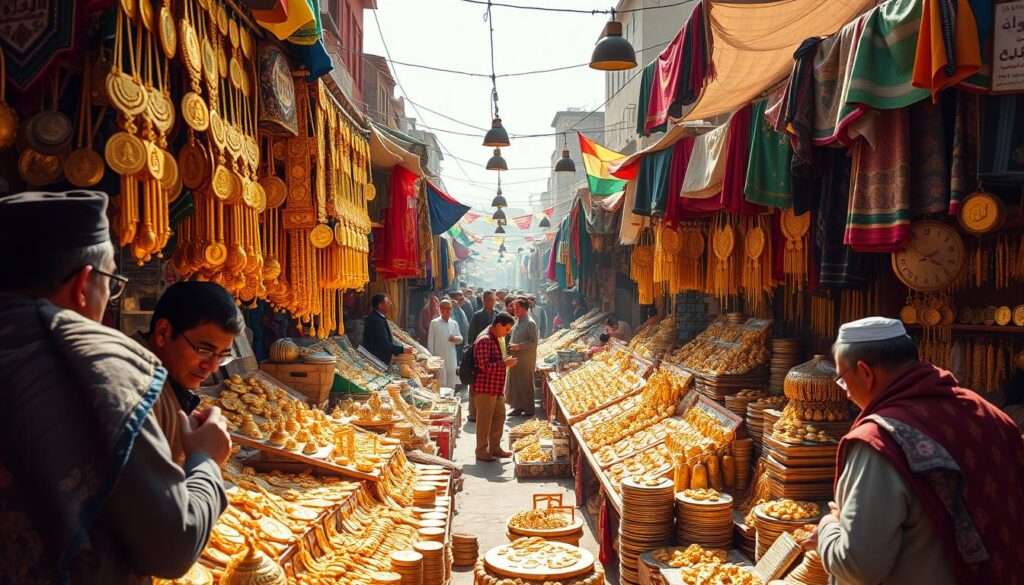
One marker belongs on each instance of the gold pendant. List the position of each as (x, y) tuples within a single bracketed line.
[(154, 160), (84, 167), (193, 166), (234, 140), (170, 172), (246, 41), (371, 192), (146, 14), (195, 112), (217, 129), (49, 132), (125, 153), (125, 94), (233, 33), (235, 73), (128, 6), (160, 110), (168, 34), (214, 254), (222, 19), (275, 189), (246, 84), (222, 62), (209, 62), (39, 169), (190, 48), (227, 186), (259, 198), (321, 236), (252, 152)]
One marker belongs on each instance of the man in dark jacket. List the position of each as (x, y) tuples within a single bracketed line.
[(90, 489), (377, 337)]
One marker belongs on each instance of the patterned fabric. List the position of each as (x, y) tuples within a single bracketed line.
[(879, 213), (964, 165), (490, 367), (884, 62), (929, 167), (797, 118), (833, 67), (840, 266), (986, 448), (768, 170)]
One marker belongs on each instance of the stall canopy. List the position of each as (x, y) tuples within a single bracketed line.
[(385, 153), (753, 44)]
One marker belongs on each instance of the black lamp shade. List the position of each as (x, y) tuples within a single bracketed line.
[(613, 52), (497, 162), (565, 164), (498, 215), (496, 136), (500, 229), (544, 222), (499, 201)]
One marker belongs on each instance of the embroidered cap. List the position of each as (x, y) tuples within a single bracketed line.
[(870, 329)]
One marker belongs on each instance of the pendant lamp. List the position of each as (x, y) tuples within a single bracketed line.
[(499, 199), (496, 136), (544, 222), (565, 164), (499, 215), (500, 229), (502, 249), (613, 52), (497, 162)]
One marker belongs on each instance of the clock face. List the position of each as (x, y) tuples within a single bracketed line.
[(933, 259)]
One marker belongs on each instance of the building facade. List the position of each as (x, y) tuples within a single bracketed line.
[(649, 31), (342, 22)]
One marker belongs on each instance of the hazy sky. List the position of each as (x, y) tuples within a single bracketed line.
[(453, 34)]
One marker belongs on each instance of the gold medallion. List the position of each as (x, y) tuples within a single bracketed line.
[(128, 6), (171, 175), (246, 40), (233, 139), (1018, 315), (233, 33), (209, 62), (168, 33), (222, 19), (948, 315), (125, 94), (49, 132), (930, 317), (981, 213), (154, 160), (194, 111), (217, 129), (321, 236), (39, 169), (248, 193), (84, 167), (246, 84), (214, 254), (259, 198), (1003, 315), (222, 62), (371, 192), (125, 153), (193, 166), (275, 189), (908, 314), (160, 110), (146, 14), (235, 73), (227, 186), (190, 48)]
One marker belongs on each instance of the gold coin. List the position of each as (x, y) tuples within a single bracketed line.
[(223, 183), (168, 33), (217, 129), (321, 236), (930, 317), (908, 314), (1018, 315), (214, 254), (195, 112), (125, 153), (259, 198), (277, 192), (235, 73), (154, 160), (233, 33), (1003, 315), (84, 167), (193, 166), (246, 40), (39, 169), (128, 6), (160, 110), (146, 14), (125, 94), (190, 47), (222, 19), (222, 62)]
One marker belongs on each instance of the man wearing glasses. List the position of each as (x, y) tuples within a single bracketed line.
[(89, 484), (191, 332)]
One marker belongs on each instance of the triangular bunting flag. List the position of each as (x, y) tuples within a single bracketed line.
[(523, 222)]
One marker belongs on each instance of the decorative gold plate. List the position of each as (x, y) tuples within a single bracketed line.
[(39, 169), (195, 112), (277, 191), (321, 236), (194, 166), (84, 167), (125, 94), (981, 213), (1003, 315)]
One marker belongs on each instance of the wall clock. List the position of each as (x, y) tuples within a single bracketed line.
[(933, 259)]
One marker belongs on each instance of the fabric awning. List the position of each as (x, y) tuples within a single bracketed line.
[(385, 154), (754, 44)]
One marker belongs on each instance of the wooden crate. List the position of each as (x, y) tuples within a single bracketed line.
[(313, 381)]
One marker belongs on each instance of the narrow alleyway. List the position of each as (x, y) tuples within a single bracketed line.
[(491, 493)]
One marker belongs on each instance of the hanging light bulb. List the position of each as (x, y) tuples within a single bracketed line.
[(496, 136), (565, 164), (500, 229), (613, 52), (499, 215), (544, 222), (497, 162), (499, 199)]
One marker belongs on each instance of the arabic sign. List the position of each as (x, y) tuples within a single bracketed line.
[(1008, 47)]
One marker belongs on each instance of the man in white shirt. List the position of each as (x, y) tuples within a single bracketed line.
[(442, 338)]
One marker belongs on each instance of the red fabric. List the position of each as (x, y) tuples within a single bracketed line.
[(490, 367), (986, 445), (396, 248), (666, 82), (737, 156), (674, 211)]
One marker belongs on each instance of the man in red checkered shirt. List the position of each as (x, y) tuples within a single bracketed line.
[(488, 389)]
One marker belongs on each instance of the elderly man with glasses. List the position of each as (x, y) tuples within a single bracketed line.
[(192, 329)]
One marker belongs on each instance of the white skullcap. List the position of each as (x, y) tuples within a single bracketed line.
[(870, 329)]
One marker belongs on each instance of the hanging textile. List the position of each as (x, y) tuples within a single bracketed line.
[(665, 85), (550, 271), (1002, 134), (37, 36), (697, 64), (947, 46), (310, 32), (602, 216), (681, 153), (929, 168), (396, 253), (706, 170), (796, 116), (459, 235), (299, 14), (445, 211), (833, 66), (445, 270), (839, 265), (879, 209), (652, 183), (964, 164), (632, 223), (768, 171), (884, 63), (646, 86), (313, 57), (737, 158)]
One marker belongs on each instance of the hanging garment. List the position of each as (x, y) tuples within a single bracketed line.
[(884, 62), (646, 86), (879, 211), (397, 254), (833, 66), (839, 265), (929, 167), (706, 169), (768, 170), (665, 85), (652, 183), (737, 158), (299, 14), (797, 118), (681, 153), (947, 47)]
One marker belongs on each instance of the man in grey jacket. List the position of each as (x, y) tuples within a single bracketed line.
[(90, 487)]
